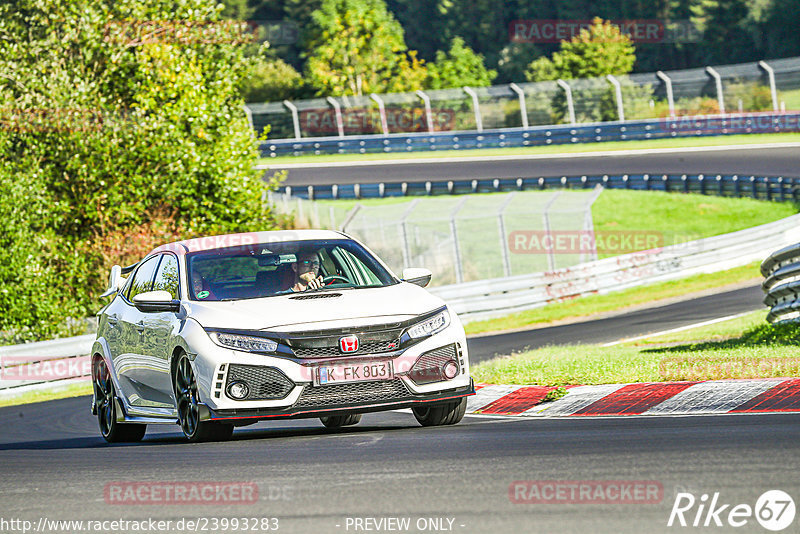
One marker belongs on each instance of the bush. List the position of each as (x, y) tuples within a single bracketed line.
[(139, 132)]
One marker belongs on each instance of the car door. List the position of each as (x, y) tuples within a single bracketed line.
[(128, 362), (155, 348)]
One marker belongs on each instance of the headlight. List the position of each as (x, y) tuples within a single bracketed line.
[(246, 343), (431, 326)]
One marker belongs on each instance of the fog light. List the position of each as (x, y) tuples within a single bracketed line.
[(450, 369), (238, 390)]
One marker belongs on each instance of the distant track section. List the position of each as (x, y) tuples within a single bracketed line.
[(749, 159)]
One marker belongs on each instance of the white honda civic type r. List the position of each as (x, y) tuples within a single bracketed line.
[(225, 331)]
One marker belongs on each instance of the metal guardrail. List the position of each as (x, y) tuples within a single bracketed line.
[(689, 126), (781, 271), (24, 367), (777, 188), (490, 298)]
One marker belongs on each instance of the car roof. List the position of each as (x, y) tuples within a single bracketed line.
[(245, 239)]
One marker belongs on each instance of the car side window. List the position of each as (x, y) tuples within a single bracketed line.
[(167, 276), (143, 278)]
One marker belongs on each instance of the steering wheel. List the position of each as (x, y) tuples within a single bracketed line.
[(328, 280)]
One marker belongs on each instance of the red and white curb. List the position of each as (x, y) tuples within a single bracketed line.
[(656, 398)]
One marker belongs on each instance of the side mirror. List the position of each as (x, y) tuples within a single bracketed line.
[(156, 301), (115, 281), (417, 276)]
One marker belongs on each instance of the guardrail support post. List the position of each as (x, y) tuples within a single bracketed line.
[(570, 104), (382, 112), (428, 113), (337, 110), (772, 89), (523, 110), (668, 84), (295, 118), (618, 91), (476, 107), (718, 82)]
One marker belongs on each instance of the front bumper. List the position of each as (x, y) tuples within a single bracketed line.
[(402, 400)]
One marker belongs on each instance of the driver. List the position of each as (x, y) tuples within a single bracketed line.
[(306, 272)]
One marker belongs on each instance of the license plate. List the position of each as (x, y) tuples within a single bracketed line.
[(352, 372)]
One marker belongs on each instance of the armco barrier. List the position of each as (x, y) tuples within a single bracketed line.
[(777, 188), (781, 271), (490, 298), (700, 126), (24, 367)]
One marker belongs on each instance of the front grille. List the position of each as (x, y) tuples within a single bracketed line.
[(356, 392), (265, 383), (428, 367), (375, 347)]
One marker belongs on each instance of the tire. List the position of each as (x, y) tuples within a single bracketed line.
[(187, 404), (338, 421), (111, 430), (438, 414)]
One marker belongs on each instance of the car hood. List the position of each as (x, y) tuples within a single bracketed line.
[(354, 307)]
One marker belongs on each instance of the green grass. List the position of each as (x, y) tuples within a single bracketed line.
[(791, 99), (73, 390), (754, 139), (745, 348), (615, 301)]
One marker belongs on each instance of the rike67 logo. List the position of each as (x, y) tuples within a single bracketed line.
[(774, 510)]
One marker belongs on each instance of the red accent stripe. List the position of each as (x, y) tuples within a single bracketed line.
[(634, 399), (784, 397), (517, 401)]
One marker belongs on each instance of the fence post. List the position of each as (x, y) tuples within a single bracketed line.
[(382, 112), (295, 118), (404, 233), (428, 113), (456, 248), (668, 84), (249, 115), (570, 104), (618, 91), (503, 240), (718, 82), (337, 110), (772, 88), (548, 233), (476, 107), (523, 110)]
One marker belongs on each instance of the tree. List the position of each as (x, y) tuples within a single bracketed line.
[(597, 51), (357, 47), (458, 67), (272, 80), (125, 118)]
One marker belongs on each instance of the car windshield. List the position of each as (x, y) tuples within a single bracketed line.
[(271, 269)]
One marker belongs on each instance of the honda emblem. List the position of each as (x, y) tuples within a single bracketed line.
[(348, 344)]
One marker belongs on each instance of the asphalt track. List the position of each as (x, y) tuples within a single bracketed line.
[(616, 327), (54, 465), (754, 160)]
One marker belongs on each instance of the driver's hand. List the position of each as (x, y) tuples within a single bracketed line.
[(311, 282)]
